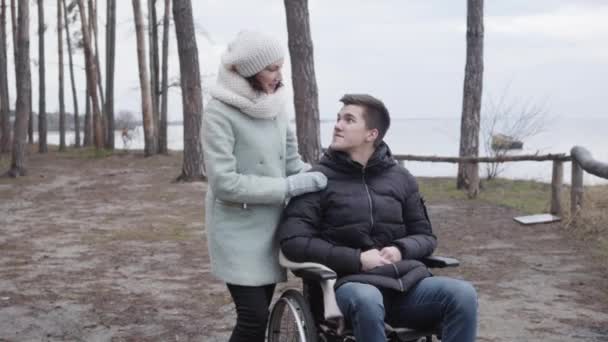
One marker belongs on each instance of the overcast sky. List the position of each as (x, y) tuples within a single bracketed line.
[(411, 54)]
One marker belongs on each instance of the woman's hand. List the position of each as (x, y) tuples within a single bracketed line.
[(302, 183)]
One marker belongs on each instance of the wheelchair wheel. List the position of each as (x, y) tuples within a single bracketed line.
[(291, 320)]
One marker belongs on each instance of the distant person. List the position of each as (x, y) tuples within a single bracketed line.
[(126, 138), (370, 225), (253, 167)]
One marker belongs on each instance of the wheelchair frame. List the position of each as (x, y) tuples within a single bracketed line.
[(306, 322)]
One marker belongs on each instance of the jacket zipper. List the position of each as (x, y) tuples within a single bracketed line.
[(369, 199)]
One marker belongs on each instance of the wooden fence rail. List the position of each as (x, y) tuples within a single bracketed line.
[(580, 157)]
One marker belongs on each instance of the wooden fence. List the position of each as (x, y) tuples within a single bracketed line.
[(580, 157), (583, 161)]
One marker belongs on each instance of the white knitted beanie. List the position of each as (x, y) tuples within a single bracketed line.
[(251, 51)]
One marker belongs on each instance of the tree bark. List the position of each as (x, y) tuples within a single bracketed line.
[(73, 82), (15, 31), (93, 19), (162, 136), (468, 174), (24, 88), (5, 128), (42, 125), (192, 97), (61, 79), (88, 126), (110, 61), (146, 97), (95, 49), (91, 66), (30, 115), (30, 121), (154, 65), (306, 99)]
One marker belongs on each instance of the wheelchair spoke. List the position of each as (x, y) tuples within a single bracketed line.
[(289, 321)]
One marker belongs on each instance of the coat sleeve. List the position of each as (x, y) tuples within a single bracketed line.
[(420, 240), (220, 163), (294, 163), (300, 237)]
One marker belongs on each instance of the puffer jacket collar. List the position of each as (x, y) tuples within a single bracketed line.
[(339, 161)]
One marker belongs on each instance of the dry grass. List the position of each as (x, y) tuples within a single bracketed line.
[(153, 234), (527, 196), (591, 223)]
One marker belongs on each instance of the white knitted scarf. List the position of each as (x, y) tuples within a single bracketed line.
[(231, 88)]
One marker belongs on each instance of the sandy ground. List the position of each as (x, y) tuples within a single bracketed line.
[(111, 250)]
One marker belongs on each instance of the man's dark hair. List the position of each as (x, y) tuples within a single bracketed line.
[(375, 113)]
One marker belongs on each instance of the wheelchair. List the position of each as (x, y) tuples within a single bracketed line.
[(314, 316)]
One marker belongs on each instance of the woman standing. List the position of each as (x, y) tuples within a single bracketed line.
[(253, 167)]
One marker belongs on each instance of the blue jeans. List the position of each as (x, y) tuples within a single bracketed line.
[(434, 302)]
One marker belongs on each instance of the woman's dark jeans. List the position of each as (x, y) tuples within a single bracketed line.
[(252, 304)]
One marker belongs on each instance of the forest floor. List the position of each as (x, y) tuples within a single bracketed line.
[(106, 247)]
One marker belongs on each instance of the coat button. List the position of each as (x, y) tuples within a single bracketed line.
[(281, 157)]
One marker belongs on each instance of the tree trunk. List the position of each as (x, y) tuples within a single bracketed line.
[(95, 52), (192, 97), (95, 48), (74, 93), (146, 98), (30, 115), (42, 126), (24, 88), (5, 128), (88, 127), (306, 99), (110, 60), (30, 121), (468, 173), (154, 65), (61, 80), (15, 31), (162, 138), (91, 66)]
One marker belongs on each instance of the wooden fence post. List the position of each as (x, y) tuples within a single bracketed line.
[(557, 179), (576, 192)]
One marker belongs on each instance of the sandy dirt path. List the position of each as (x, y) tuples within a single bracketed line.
[(111, 250)]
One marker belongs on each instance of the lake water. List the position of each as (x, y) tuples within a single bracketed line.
[(439, 137)]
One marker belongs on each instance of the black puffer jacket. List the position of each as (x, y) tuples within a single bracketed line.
[(362, 208)]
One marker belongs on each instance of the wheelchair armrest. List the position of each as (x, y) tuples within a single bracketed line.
[(313, 273), (433, 261), (307, 269), (327, 279)]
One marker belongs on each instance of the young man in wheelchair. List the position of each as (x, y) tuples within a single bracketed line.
[(370, 225)]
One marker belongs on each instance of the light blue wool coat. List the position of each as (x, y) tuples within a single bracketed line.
[(246, 160)]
